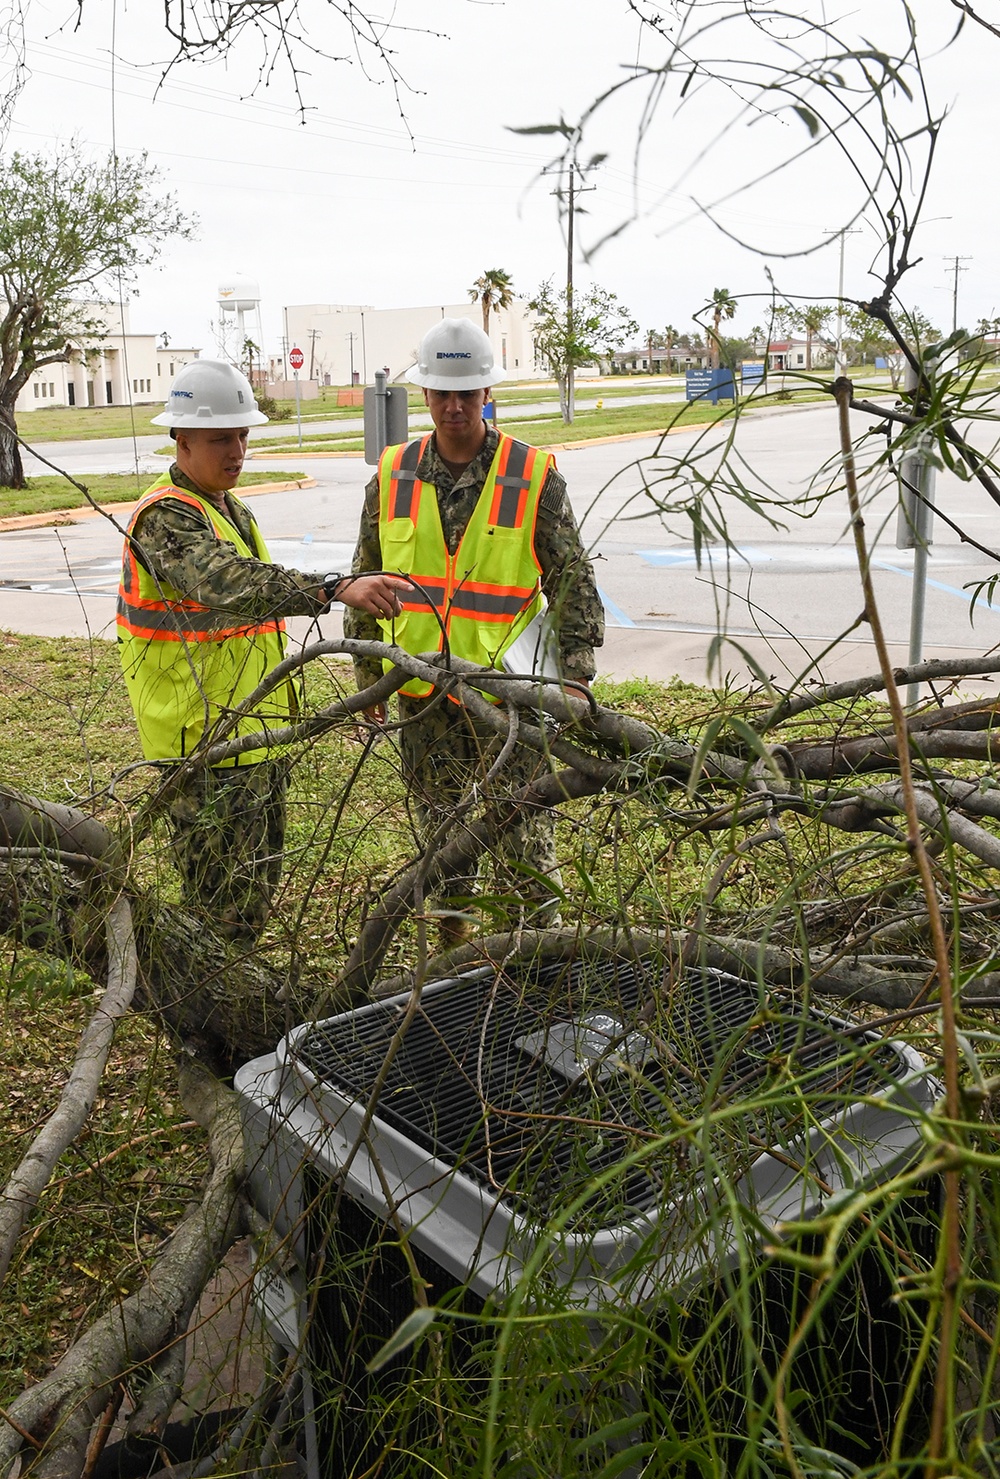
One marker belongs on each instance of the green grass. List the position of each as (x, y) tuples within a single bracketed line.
[(50, 494)]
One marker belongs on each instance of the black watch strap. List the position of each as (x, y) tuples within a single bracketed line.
[(330, 584)]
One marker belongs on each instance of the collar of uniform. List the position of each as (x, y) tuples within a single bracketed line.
[(433, 470)]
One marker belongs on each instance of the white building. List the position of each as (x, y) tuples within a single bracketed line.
[(345, 343), (119, 369)]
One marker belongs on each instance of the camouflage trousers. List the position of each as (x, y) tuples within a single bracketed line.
[(444, 752), (228, 840)]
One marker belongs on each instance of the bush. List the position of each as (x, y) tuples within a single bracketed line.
[(269, 406)]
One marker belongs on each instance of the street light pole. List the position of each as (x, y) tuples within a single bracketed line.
[(844, 231), (572, 193), (954, 291)]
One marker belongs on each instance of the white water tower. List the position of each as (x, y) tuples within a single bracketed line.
[(239, 318)]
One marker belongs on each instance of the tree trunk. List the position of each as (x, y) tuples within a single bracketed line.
[(567, 414), (11, 467)]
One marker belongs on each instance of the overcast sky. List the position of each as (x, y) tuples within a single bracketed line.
[(348, 208)]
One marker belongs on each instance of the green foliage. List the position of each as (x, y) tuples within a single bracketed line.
[(270, 407), (600, 324), (72, 233), (494, 289)]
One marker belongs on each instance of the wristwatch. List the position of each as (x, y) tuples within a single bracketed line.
[(330, 584)]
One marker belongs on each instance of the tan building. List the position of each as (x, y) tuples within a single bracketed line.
[(119, 369), (346, 343)]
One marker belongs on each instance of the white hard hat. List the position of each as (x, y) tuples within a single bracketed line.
[(210, 392), (455, 355)]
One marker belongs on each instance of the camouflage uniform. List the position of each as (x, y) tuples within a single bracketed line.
[(443, 749), (228, 822)]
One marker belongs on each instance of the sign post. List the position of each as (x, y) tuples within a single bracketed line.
[(915, 530), (297, 359)]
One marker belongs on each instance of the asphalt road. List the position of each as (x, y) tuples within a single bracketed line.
[(786, 588)]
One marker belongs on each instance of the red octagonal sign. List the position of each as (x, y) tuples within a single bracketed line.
[(296, 359)]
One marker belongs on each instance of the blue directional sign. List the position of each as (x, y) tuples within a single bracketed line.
[(710, 385)]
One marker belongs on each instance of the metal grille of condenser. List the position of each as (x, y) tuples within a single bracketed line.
[(543, 1101), (494, 1068)]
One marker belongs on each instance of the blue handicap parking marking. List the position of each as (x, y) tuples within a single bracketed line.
[(617, 617)]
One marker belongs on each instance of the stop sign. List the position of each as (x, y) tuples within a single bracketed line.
[(296, 359)]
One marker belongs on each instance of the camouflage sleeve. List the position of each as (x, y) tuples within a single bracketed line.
[(568, 580), (178, 546), (359, 625)]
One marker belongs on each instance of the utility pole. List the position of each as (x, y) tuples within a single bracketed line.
[(572, 192), (364, 351), (844, 231), (956, 269), (350, 339), (314, 334)]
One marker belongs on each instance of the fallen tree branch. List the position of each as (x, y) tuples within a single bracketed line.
[(824, 761), (825, 972), (61, 1410), (931, 671), (32, 1175)]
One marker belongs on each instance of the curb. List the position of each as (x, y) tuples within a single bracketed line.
[(57, 516)]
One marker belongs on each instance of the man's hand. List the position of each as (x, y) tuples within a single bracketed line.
[(376, 594)]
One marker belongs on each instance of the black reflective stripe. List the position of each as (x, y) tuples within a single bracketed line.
[(513, 482), (189, 623), (431, 598), (401, 482), (485, 603)]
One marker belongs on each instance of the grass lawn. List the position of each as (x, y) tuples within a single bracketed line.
[(48, 494)]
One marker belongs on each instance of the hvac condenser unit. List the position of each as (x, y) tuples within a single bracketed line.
[(624, 1143)]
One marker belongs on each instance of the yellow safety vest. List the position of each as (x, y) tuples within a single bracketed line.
[(186, 665), (485, 594)]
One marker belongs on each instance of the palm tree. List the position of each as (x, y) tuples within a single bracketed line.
[(723, 305), (494, 290), (669, 340), (812, 321)]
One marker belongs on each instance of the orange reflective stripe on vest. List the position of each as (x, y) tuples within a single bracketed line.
[(483, 595)]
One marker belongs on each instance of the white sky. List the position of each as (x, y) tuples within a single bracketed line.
[(347, 209)]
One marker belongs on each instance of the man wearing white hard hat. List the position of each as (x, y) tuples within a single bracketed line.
[(201, 611), (483, 525)]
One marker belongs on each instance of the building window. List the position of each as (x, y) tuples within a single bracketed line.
[(171, 367), (135, 385), (52, 389), (159, 368), (37, 390)]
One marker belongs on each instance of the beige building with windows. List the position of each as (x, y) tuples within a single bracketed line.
[(345, 344), (119, 369)]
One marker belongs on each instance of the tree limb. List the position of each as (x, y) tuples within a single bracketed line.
[(32, 1175), (62, 1408)]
